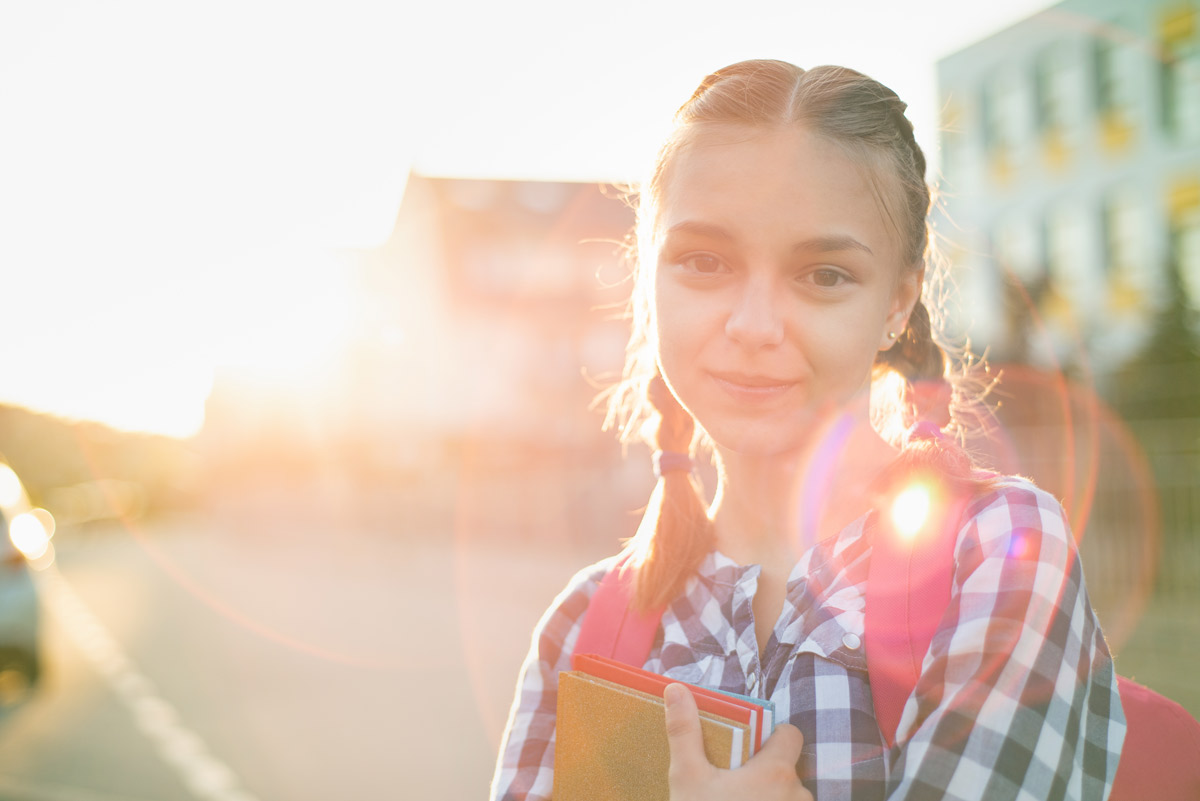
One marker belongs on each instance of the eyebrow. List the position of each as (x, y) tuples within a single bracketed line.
[(820, 244)]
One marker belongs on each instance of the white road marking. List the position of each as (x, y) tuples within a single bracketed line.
[(207, 777)]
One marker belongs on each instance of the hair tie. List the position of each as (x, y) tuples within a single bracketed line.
[(671, 462), (924, 431)]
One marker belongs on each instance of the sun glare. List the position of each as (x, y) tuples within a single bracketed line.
[(114, 229), (910, 510), (293, 318), (29, 535), (10, 487)]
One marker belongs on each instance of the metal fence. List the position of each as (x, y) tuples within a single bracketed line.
[(1132, 493)]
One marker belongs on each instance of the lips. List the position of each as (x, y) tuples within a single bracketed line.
[(753, 387)]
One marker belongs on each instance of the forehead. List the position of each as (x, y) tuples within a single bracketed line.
[(776, 181)]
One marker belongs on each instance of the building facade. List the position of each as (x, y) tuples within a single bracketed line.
[(1070, 213), (1070, 179)]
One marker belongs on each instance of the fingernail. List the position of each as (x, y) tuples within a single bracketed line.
[(673, 694)]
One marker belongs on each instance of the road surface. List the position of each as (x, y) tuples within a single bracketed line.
[(238, 659)]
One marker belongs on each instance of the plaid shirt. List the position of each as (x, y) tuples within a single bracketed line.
[(1017, 697)]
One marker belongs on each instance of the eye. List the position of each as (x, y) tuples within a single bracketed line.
[(703, 263), (827, 277)]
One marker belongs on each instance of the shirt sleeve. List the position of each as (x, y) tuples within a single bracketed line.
[(1017, 697), (525, 767)]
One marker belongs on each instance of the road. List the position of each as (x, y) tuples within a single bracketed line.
[(280, 653), (254, 658)]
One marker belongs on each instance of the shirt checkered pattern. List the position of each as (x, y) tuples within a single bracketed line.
[(1017, 697)]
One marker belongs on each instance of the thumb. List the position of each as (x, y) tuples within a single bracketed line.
[(683, 731), (784, 744)]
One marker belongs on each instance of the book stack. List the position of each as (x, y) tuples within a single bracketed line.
[(611, 736)]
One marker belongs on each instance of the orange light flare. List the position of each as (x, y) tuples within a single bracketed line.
[(1068, 440)]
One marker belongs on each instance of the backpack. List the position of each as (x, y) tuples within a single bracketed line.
[(1160, 758)]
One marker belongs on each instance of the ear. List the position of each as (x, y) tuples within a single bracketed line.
[(904, 298)]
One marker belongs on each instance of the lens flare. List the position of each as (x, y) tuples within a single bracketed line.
[(10, 487), (29, 535), (910, 510), (1072, 444), (46, 519)]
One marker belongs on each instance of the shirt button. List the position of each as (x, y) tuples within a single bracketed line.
[(852, 641)]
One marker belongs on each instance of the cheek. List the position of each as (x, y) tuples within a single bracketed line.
[(675, 320), (673, 343), (844, 351)]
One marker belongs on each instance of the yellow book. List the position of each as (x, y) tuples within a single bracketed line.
[(611, 742)]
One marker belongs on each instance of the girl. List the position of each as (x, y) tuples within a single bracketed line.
[(778, 316)]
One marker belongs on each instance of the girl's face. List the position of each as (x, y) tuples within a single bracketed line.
[(777, 279)]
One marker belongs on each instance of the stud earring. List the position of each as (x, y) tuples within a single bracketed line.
[(891, 334)]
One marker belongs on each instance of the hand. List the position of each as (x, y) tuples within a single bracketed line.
[(770, 775)]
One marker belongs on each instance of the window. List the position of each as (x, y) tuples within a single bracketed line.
[(1180, 73), (1059, 98), (1006, 122), (1072, 266), (1017, 244), (1128, 260), (1183, 205), (1068, 247), (1125, 245), (1115, 70)]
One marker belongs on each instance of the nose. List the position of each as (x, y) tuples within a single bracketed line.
[(755, 321)]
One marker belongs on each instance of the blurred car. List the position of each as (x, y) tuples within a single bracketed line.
[(24, 547)]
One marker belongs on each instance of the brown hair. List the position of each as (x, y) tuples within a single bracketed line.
[(866, 119)]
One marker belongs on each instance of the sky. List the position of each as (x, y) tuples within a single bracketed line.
[(177, 178)]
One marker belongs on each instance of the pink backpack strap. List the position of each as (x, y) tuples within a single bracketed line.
[(908, 591), (611, 627)]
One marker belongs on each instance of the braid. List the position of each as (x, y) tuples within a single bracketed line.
[(916, 355), (927, 408), (675, 533), (675, 426)]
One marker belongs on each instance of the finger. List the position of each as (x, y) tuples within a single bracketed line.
[(683, 731), (784, 743)]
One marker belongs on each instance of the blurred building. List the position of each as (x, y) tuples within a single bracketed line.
[(494, 311), (487, 323), (1071, 179)]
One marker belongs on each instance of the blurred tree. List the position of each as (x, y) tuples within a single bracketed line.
[(50, 453), (1162, 382), (1157, 392)]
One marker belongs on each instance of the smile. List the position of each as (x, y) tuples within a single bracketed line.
[(752, 388)]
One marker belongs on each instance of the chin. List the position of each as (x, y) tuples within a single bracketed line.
[(782, 435), (759, 439)]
